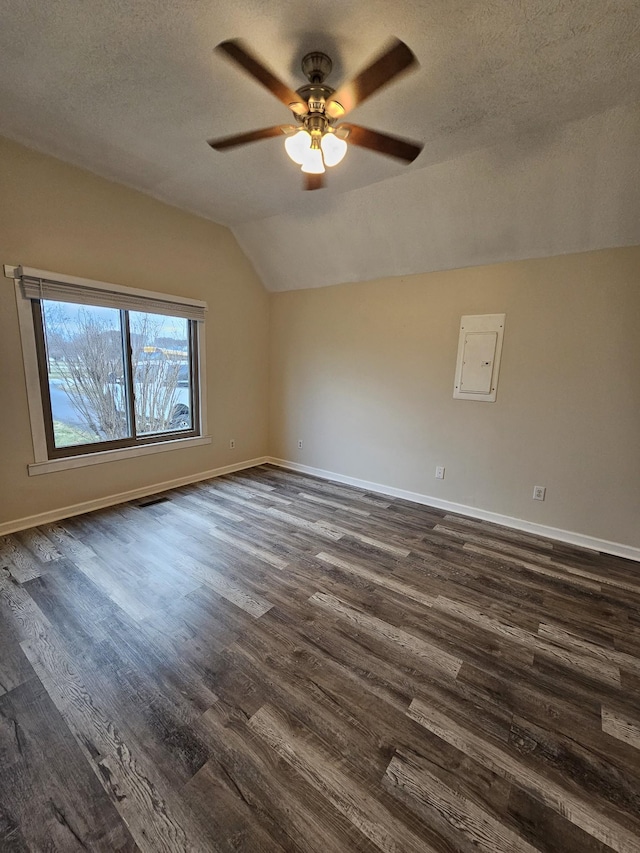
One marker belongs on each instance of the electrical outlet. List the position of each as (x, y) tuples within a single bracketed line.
[(539, 492), (440, 472), (232, 444), (299, 444)]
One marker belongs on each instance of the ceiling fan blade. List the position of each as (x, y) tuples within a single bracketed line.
[(313, 182), (252, 136), (393, 61), (235, 50), (392, 146)]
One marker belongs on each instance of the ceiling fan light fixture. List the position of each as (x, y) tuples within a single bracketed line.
[(298, 145), (314, 143), (313, 163), (333, 148)]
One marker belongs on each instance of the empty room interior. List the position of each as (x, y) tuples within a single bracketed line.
[(320, 434)]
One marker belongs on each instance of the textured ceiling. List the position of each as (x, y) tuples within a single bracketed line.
[(527, 110)]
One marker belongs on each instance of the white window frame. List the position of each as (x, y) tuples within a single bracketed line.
[(42, 464)]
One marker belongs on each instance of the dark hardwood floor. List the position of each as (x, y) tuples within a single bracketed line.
[(270, 662)]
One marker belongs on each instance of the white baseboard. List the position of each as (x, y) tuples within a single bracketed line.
[(123, 497), (568, 536), (571, 538)]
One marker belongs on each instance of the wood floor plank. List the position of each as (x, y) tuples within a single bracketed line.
[(17, 560), (538, 568), (587, 664), (486, 542), (473, 644), (314, 527), (66, 542), (153, 665), (49, 792), (229, 809), (377, 578), (621, 726), (268, 662), (250, 479), (185, 501), (438, 658), (383, 670), (367, 815), (548, 830), (474, 829), (497, 531), (575, 808), (340, 530), (156, 816), (560, 636), (597, 778), (68, 599), (579, 573), (243, 599), (322, 709), (97, 572), (248, 548), (19, 610), (553, 708), (344, 506), (290, 809), (353, 701), (323, 487), (14, 666), (39, 545), (231, 485)]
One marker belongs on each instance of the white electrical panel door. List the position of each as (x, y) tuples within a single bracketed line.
[(479, 351)]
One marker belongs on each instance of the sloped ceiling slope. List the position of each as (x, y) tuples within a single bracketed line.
[(573, 188), (528, 111)]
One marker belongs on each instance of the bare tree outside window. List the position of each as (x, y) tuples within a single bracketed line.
[(157, 371)]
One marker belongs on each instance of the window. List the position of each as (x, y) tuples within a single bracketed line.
[(116, 369)]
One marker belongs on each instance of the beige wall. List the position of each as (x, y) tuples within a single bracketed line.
[(57, 217), (363, 374)]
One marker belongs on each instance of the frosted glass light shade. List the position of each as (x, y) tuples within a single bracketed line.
[(297, 145), (313, 164), (333, 149)]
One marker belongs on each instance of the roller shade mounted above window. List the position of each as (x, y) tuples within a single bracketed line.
[(41, 284)]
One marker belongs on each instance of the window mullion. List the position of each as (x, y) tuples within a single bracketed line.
[(128, 371)]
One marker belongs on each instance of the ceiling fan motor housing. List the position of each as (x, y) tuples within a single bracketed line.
[(316, 66), (315, 98)]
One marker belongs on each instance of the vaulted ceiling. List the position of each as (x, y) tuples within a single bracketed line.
[(529, 111)]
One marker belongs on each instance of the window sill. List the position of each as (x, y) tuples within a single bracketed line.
[(113, 455)]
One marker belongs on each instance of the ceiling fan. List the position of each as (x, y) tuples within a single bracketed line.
[(315, 141)]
